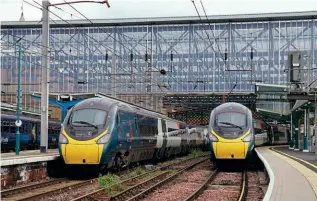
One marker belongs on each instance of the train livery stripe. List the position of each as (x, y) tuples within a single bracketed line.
[(231, 140)]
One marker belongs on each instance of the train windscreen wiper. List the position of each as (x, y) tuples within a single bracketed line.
[(231, 124), (87, 123)]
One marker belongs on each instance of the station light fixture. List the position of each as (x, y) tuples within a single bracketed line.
[(146, 56), (163, 72), (106, 57)]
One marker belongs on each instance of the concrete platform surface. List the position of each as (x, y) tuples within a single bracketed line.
[(308, 157), (30, 156), (289, 180)]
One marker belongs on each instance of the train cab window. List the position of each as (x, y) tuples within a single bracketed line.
[(230, 125), (88, 118)]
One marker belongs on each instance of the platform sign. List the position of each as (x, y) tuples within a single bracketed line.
[(18, 123)]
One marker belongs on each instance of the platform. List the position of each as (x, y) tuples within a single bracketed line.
[(289, 179), (30, 156), (299, 156)]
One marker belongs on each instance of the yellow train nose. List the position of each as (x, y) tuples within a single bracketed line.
[(234, 150), (83, 154)]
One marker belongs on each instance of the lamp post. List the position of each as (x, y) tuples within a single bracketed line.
[(46, 66), (18, 122)]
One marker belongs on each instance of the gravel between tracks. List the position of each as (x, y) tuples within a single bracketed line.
[(218, 195), (183, 185), (22, 184), (224, 187), (254, 190), (228, 178), (43, 190), (71, 193), (74, 193)]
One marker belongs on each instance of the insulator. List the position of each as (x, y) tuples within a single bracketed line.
[(171, 56), (131, 57), (107, 56), (251, 54), (146, 56), (226, 56)]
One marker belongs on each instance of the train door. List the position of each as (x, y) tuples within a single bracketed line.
[(38, 134), (161, 139), (33, 133), (164, 130)]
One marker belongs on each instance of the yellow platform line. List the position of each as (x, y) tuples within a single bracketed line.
[(308, 163), (310, 175)]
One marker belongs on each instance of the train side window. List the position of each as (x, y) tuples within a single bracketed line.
[(5, 127), (154, 125), (142, 125), (146, 126), (12, 127), (126, 124), (25, 127), (33, 125), (163, 126)]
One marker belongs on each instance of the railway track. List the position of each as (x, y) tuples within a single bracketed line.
[(38, 191), (14, 191), (61, 188), (206, 189), (138, 186)]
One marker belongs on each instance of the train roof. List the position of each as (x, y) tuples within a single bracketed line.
[(105, 103), (231, 106), (24, 118)]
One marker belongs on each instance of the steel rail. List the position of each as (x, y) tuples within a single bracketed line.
[(100, 190), (58, 190), (6, 193), (202, 187), (243, 192), (155, 186), (137, 186)]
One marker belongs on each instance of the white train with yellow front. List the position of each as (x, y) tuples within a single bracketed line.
[(231, 132)]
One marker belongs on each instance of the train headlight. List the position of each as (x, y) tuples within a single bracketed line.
[(213, 138), (62, 139), (248, 138), (104, 139)]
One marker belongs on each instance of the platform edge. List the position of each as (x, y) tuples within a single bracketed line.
[(271, 176), (19, 161)]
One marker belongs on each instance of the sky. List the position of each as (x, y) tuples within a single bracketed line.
[(10, 10)]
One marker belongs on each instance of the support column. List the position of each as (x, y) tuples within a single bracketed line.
[(296, 125), (291, 141), (315, 137), (306, 127), (45, 77)]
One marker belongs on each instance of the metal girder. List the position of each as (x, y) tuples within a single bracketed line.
[(287, 40), (301, 97), (195, 59), (290, 42)]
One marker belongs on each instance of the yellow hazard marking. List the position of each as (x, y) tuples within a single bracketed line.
[(310, 175)]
